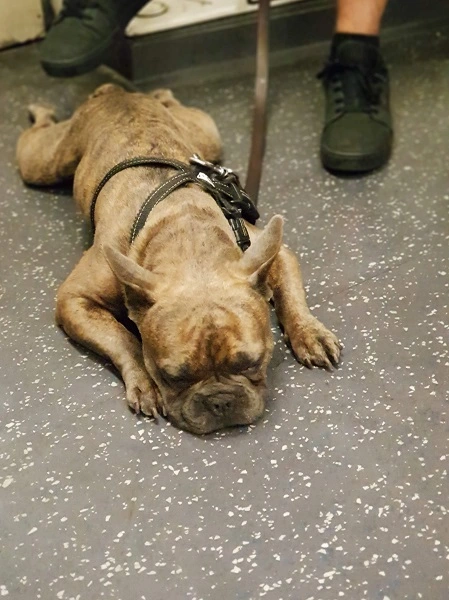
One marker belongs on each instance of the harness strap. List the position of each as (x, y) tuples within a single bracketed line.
[(221, 183), (137, 161), (156, 196)]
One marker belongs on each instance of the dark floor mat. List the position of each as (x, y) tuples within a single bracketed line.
[(341, 491)]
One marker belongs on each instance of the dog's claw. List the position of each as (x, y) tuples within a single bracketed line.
[(306, 362), (333, 360), (327, 365), (133, 404)]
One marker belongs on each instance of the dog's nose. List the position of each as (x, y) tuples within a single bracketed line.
[(219, 404)]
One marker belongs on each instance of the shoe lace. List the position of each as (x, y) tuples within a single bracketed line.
[(85, 10), (355, 89)]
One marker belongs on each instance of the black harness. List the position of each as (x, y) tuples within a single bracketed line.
[(221, 183)]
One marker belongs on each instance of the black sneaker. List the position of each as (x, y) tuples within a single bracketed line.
[(357, 134), (82, 35)]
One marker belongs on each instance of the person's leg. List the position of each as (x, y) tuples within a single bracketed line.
[(357, 134), (360, 16), (83, 33)]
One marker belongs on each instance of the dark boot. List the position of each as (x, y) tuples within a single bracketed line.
[(357, 134), (82, 35)]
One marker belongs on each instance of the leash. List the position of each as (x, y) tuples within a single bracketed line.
[(237, 203), (254, 171)]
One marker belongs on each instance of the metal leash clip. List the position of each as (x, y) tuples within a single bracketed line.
[(224, 185), (203, 177), (205, 164)]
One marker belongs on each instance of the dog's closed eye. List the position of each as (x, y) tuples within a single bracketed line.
[(244, 364), (254, 376), (182, 378)]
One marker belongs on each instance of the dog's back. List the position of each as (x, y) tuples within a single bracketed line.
[(111, 126)]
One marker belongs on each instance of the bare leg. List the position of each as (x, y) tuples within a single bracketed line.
[(311, 342), (46, 152), (360, 16), (83, 311)]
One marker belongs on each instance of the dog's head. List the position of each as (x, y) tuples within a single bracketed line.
[(206, 346)]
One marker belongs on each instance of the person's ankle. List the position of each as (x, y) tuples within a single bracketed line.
[(340, 38)]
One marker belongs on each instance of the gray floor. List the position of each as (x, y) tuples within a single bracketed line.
[(342, 490)]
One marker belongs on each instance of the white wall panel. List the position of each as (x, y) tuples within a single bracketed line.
[(160, 15), (20, 21)]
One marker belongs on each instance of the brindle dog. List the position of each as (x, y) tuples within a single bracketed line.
[(199, 303)]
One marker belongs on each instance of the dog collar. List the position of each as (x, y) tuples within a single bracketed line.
[(221, 183)]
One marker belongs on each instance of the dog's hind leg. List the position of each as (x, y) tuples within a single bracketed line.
[(201, 129), (47, 152), (165, 97)]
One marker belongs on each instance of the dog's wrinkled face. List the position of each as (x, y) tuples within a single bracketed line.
[(206, 346), (209, 358)]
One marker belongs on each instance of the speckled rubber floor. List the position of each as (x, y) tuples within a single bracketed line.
[(342, 490)]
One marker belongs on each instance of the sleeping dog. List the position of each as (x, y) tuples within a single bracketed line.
[(166, 254)]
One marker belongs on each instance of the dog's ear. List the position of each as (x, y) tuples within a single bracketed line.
[(256, 261), (139, 282)]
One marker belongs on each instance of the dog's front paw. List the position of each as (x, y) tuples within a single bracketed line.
[(144, 397), (313, 344)]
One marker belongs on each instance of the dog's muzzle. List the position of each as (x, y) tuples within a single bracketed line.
[(217, 405)]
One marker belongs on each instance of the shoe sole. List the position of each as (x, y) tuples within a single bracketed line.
[(80, 65), (347, 163)]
